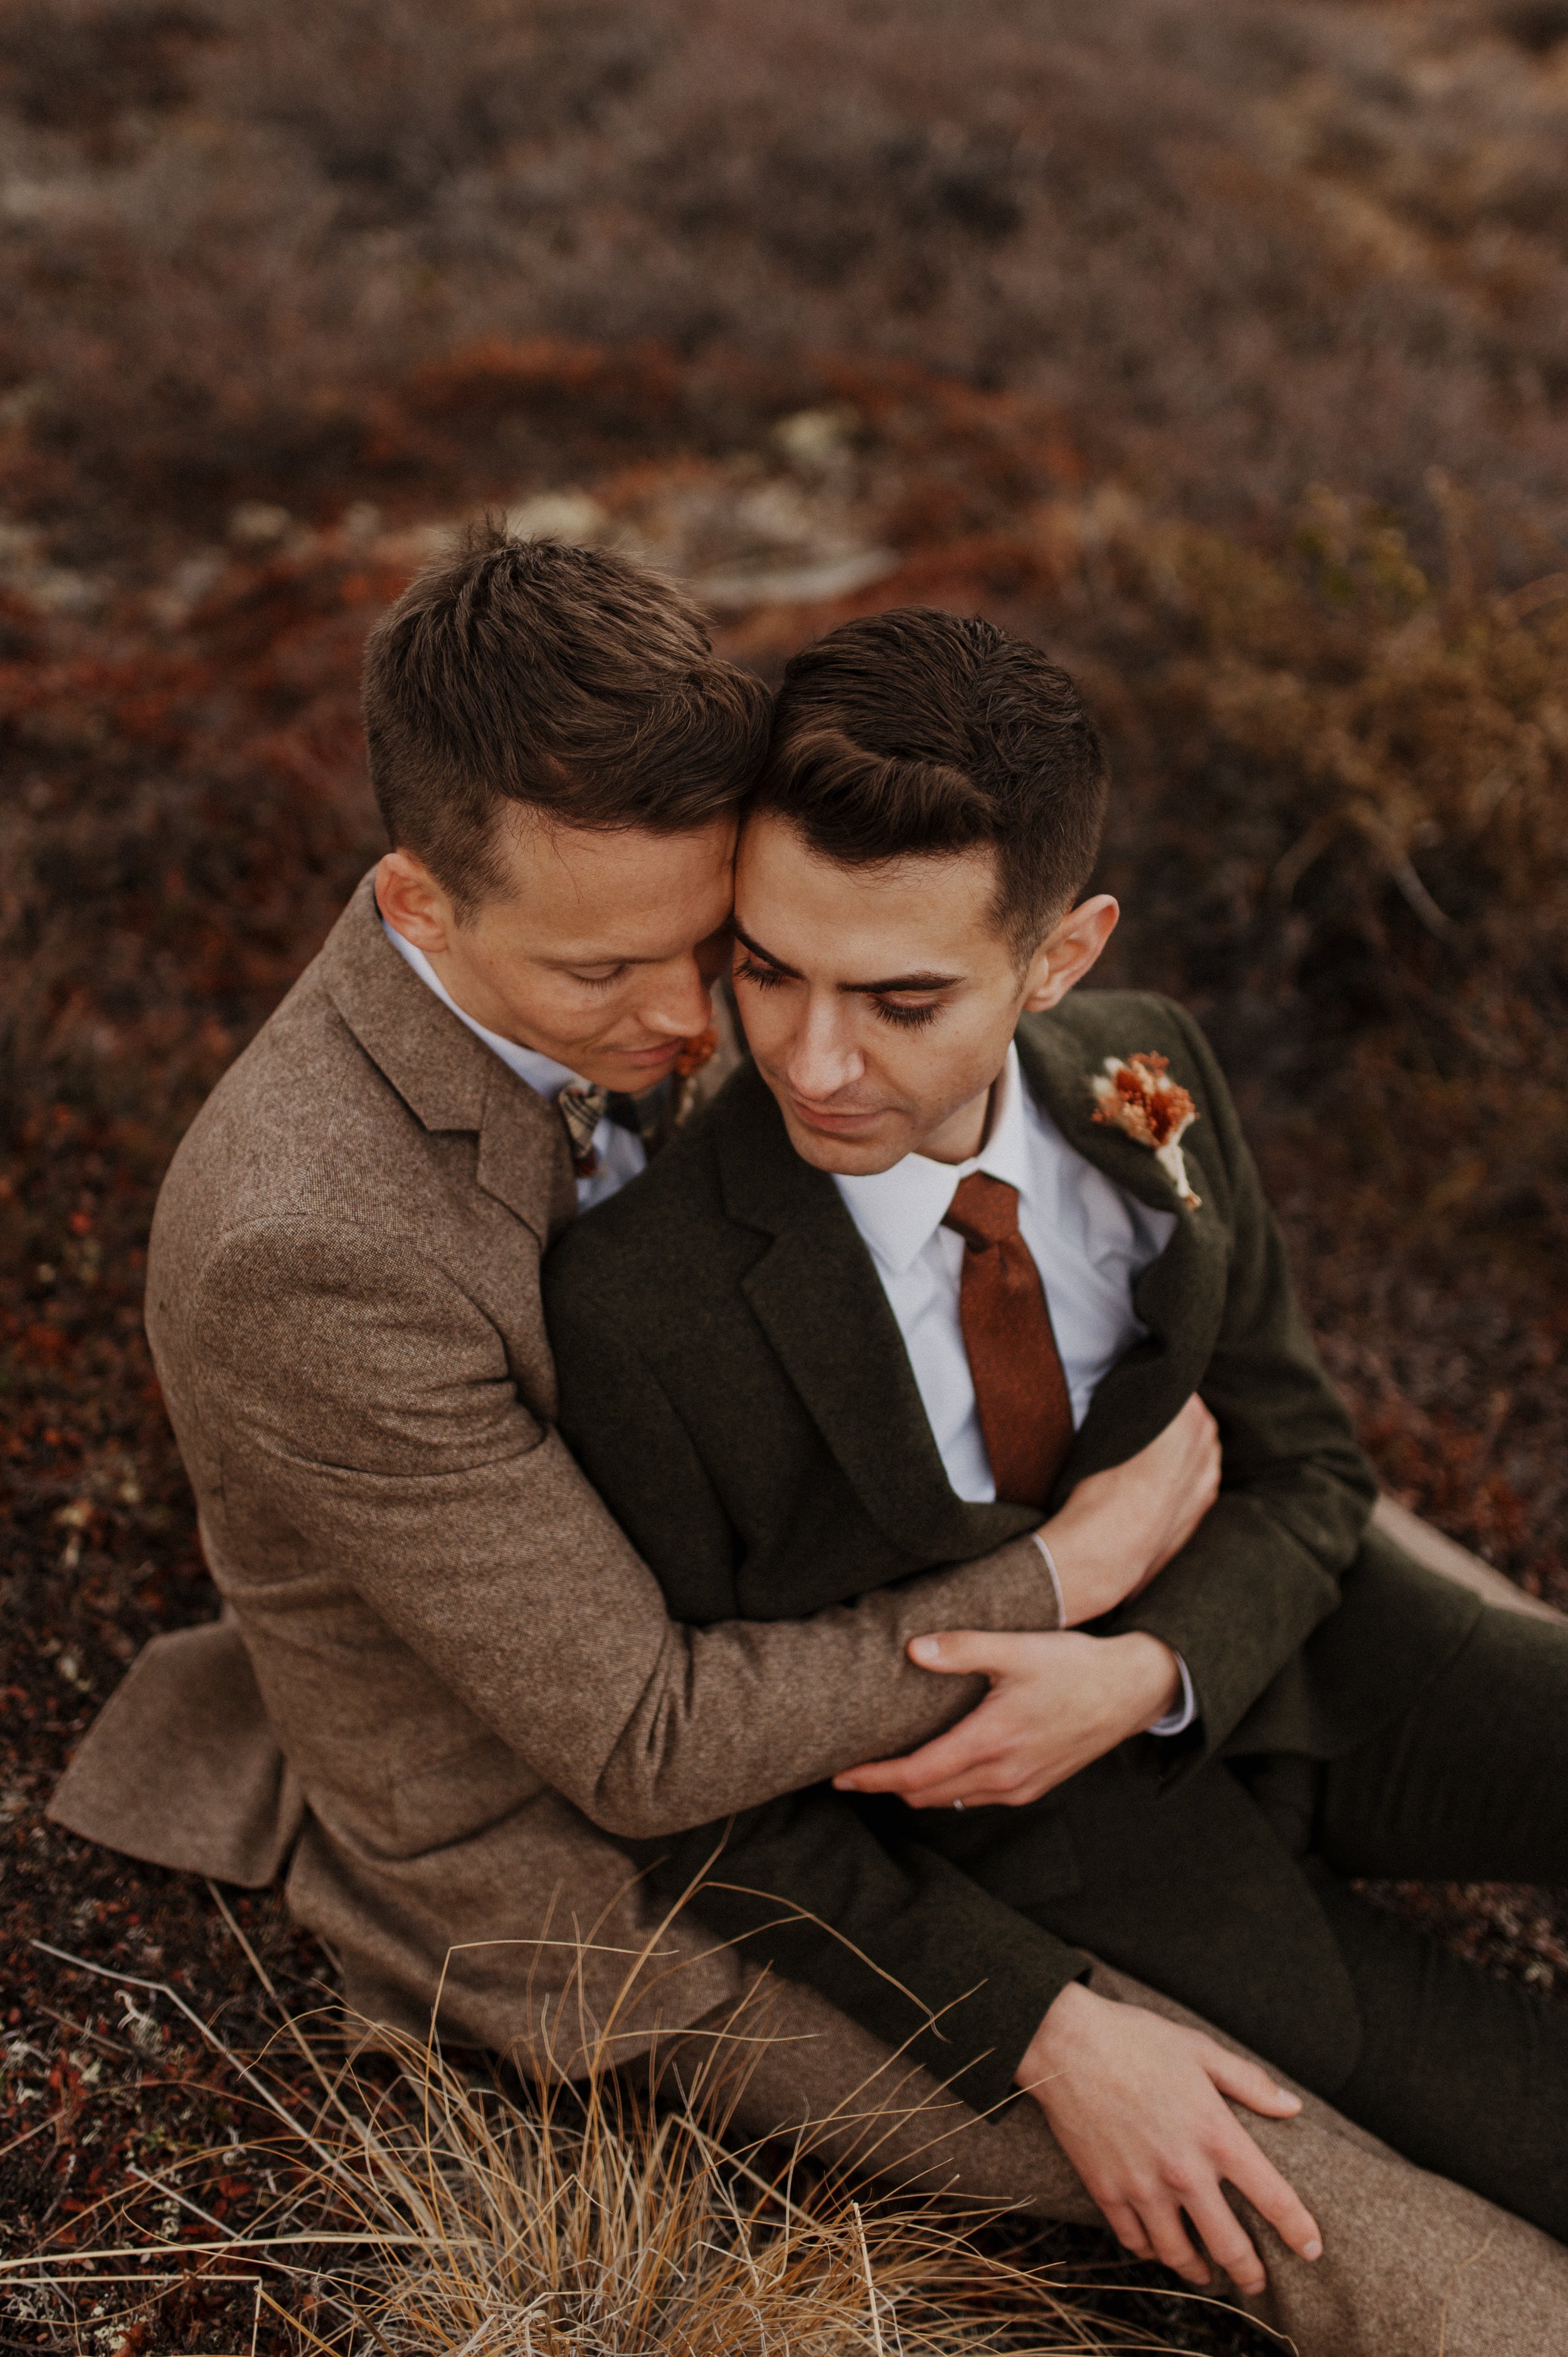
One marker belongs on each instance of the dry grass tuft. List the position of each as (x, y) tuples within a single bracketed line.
[(413, 2205), (584, 2222)]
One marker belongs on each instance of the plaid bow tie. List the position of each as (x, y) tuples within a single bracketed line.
[(582, 1110)]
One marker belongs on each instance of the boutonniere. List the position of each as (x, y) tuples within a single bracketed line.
[(696, 1051), (1135, 1096)]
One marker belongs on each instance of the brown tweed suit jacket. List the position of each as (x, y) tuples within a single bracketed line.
[(442, 1668)]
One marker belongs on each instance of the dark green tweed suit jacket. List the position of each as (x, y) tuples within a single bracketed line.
[(734, 1384)]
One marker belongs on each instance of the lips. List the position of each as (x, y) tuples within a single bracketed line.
[(650, 1058), (832, 1124)]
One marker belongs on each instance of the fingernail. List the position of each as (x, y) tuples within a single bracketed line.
[(1312, 2251), (927, 1649)]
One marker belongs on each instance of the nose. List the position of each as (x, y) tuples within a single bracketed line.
[(678, 1006), (820, 1059)]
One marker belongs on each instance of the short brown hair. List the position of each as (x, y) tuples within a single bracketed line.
[(914, 731), (571, 679)]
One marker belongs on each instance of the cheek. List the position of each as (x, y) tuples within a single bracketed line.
[(593, 1016), (945, 1065), (557, 1013), (763, 1020)]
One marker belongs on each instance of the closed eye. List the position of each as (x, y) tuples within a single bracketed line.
[(599, 981), (904, 1014), (766, 977), (908, 1015)]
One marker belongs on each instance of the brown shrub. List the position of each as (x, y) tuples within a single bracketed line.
[(1243, 250)]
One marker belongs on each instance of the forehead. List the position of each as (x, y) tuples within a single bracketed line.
[(621, 891), (921, 912)]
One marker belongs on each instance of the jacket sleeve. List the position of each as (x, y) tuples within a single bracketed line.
[(369, 1431), (1264, 1566), (893, 1933)]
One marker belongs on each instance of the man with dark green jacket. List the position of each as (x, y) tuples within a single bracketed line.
[(954, 1243)]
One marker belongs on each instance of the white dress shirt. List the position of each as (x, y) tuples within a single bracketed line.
[(621, 1153), (1089, 1242)]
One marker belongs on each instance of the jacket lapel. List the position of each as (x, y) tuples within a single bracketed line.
[(1180, 1297), (816, 1294), (524, 1158), (447, 1077)]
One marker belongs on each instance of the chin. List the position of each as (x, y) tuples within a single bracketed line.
[(845, 1157)]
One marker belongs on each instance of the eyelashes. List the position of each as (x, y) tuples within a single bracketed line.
[(747, 968), (903, 1019)]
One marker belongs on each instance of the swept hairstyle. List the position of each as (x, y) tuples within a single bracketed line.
[(916, 731), (572, 681)]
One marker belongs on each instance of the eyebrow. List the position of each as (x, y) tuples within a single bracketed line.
[(568, 960), (861, 989)]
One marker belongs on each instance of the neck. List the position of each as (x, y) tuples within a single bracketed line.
[(964, 1133)]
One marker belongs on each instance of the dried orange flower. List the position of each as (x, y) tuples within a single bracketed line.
[(695, 1053), (1135, 1096)]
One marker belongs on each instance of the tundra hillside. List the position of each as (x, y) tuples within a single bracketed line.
[(1224, 348)]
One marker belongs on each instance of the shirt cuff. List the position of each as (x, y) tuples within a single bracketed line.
[(1180, 1717), (1057, 1586)]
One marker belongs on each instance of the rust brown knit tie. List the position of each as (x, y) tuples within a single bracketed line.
[(1020, 1391)]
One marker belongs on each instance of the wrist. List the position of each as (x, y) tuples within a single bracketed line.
[(1044, 2053), (1089, 1577), (1145, 1679)]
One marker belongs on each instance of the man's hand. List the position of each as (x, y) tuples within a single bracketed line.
[(1120, 1527), (1137, 2105), (1056, 1702)]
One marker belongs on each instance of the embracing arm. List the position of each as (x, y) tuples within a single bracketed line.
[(1263, 1567), (371, 1432)]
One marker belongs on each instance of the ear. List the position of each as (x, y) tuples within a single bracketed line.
[(1066, 954), (413, 902)]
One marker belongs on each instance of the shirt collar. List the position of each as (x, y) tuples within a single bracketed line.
[(899, 1210), (544, 1075)]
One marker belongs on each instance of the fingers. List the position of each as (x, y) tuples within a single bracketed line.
[(947, 1760), (966, 1652), (1169, 2241), (994, 1781), (1156, 2228), (1128, 2228), (1252, 2173), (1246, 2081), (1024, 1736), (980, 1791), (1226, 2240), (992, 1767)]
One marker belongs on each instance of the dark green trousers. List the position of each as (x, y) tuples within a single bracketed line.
[(1231, 1890), (1463, 2072), (1459, 2069)]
